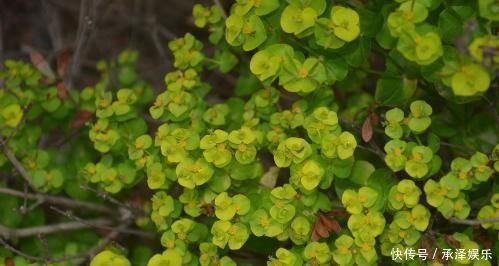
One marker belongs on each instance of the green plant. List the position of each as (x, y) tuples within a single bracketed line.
[(354, 128)]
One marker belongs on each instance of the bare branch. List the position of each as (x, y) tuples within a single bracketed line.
[(53, 25), (104, 195), (15, 162), (12, 249), (8, 233), (85, 24), (23, 210), (157, 42), (474, 222), (76, 259), (71, 216), (67, 202), (165, 32), (219, 4), (45, 247)]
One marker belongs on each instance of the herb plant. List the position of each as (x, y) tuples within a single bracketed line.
[(353, 128)]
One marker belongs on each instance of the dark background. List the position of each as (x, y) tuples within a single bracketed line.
[(91, 30)]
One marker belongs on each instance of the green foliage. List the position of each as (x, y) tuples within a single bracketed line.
[(108, 257), (355, 127)]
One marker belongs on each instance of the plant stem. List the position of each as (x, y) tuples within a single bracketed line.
[(474, 222), (52, 228), (15, 162), (71, 203)]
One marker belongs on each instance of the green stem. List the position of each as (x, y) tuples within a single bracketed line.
[(418, 140), (378, 73)]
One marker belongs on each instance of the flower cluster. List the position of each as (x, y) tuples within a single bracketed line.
[(351, 129), (417, 160)]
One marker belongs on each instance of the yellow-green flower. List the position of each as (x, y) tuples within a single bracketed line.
[(12, 115), (345, 23), (470, 80), (107, 257)]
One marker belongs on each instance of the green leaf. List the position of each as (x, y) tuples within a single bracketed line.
[(385, 39), (337, 68), (9, 216), (343, 168), (226, 60), (361, 171), (370, 22), (433, 142), (359, 52), (381, 180), (246, 85), (393, 91), (449, 25), (108, 257), (296, 20)]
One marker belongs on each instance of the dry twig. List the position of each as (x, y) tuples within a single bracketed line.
[(474, 222), (219, 4), (51, 228), (71, 216), (76, 259), (88, 10), (67, 202), (15, 162)]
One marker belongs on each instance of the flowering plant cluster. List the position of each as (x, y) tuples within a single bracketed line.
[(305, 163)]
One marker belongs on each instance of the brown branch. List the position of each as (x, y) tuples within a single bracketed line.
[(76, 259), (15, 162), (67, 202), (71, 216), (136, 211), (167, 34), (12, 249), (85, 24), (51, 228), (53, 24), (45, 247), (474, 222), (219, 4), (157, 43)]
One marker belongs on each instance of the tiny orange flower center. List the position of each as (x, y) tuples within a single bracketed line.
[(221, 146), (303, 72), (264, 222), (242, 147), (397, 151), (463, 175), (247, 29), (408, 15), (417, 157), (399, 197)]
